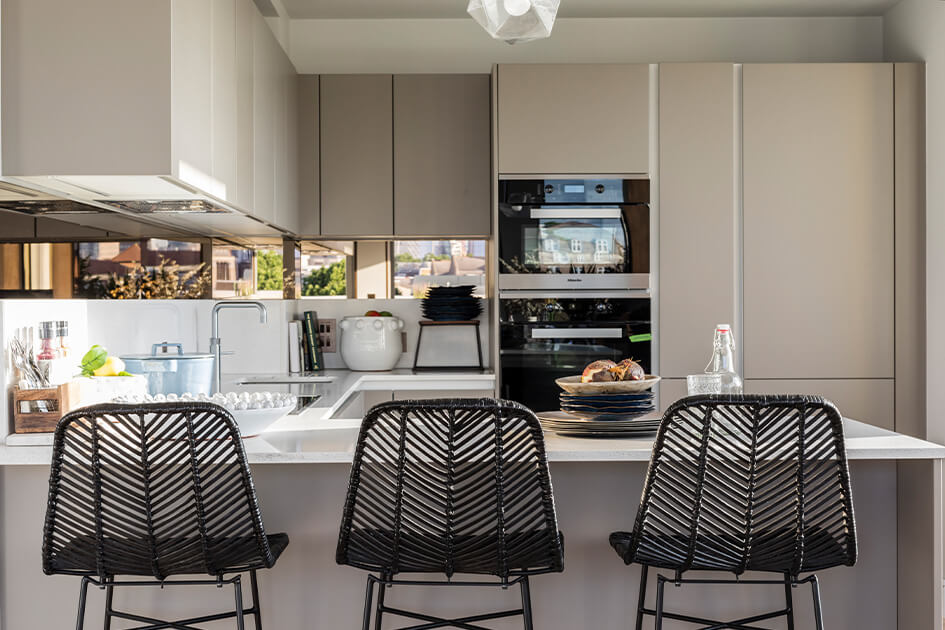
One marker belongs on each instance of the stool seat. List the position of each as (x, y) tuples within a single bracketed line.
[(526, 552), (772, 551), (183, 555)]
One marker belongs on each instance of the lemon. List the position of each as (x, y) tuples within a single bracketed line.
[(113, 366)]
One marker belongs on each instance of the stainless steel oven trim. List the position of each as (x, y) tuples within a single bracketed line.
[(577, 212), (572, 281), (603, 294), (577, 333)]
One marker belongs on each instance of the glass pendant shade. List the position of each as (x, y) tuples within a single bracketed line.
[(515, 20)]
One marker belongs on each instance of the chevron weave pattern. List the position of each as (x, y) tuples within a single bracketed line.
[(450, 486), (742, 483), (153, 490)]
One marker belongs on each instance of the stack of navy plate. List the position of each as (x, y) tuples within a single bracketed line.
[(451, 304), (603, 426), (603, 415), (592, 406)]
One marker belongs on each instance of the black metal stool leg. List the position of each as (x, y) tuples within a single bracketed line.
[(526, 603), (257, 610), (238, 595), (789, 601), (644, 569), (818, 612), (368, 597), (83, 591), (660, 584), (109, 592), (379, 611)]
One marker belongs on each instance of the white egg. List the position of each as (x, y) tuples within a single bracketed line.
[(244, 396), (241, 406), (268, 395), (267, 404), (172, 397), (160, 398), (232, 396)]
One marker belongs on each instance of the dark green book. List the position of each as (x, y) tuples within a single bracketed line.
[(313, 347)]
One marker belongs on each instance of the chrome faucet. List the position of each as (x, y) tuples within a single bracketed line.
[(215, 333)]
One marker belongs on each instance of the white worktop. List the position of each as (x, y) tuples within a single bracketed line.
[(326, 440)]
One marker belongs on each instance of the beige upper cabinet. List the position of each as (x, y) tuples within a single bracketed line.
[(356, 138), (818, 221), (442, 162), (573, 119), (697, 212), (307, 156), (868, 400)]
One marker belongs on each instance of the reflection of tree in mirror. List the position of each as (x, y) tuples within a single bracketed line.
[(328, 280), (269, 270), (165, 281)]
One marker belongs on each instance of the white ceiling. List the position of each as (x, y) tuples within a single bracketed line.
[(420, 9)]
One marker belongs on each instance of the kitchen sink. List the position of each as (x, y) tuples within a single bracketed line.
[(283, 379)]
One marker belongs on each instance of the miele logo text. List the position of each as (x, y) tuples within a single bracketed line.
[(574, 279)]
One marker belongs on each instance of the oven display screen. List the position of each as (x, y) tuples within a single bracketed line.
[(576, 189)]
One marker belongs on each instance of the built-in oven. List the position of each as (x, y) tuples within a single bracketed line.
[(574, 234), (545, 337)]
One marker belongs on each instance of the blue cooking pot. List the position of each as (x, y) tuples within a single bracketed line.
[(173, 373)]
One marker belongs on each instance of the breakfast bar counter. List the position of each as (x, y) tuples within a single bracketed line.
[(301, 477)]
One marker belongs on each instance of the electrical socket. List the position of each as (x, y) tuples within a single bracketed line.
[(326, 335)]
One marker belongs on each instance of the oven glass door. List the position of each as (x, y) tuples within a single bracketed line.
[(545, 339)]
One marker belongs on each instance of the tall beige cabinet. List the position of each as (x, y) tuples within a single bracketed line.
[(787, 207), (697, 214), (819, 214)]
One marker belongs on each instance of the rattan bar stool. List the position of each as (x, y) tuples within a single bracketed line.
[(743, 483), (154, 491), (449, 487)]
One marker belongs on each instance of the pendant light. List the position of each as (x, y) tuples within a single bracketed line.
[(515, 20)]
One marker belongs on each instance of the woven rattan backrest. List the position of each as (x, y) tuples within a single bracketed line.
[(155, 489), (450, 486), (748, 482)]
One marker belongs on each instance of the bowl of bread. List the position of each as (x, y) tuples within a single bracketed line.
[(607, 377)]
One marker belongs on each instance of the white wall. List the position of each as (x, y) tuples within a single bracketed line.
[(365, 46), (914, 30)]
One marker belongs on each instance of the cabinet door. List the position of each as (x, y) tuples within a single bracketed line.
[(286, 214), (225, 98), (356, 128), (818, 207), (442, 163), (868, 400), (307, 161), (245, 14), (697, 212), (264, 111), (573, 119), (192, 92)]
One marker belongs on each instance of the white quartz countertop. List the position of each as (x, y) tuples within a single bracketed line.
[(327, 441), (317, 436)]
